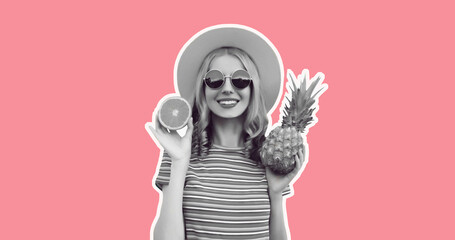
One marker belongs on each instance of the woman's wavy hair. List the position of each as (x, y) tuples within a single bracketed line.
[(256, 121)]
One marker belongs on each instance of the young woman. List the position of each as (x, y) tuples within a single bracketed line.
[(213, 185)]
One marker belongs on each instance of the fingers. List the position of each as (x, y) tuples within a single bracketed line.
[(299, 162), (159, 131), (189, 130), (159, 128), (151, 131), (294, 171), (299, 158), (303, 157), (172, 132), (155, 129), (190, 123)]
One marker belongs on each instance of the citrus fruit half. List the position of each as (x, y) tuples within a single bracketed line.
[(174, 113)]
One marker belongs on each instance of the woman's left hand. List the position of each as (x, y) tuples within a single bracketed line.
[(277, 183)]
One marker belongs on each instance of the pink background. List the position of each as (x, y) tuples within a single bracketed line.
[(79, 79)]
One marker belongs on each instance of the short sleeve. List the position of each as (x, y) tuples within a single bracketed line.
[(164, 172), (287, 192)]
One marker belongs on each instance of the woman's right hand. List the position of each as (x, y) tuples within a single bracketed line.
[(170, 224), (178, 148)]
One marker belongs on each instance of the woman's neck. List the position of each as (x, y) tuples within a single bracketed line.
[(228, 132)]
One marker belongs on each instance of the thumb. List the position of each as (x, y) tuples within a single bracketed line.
[(149, 128)]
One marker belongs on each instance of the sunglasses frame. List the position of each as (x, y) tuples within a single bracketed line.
[(224, 79)]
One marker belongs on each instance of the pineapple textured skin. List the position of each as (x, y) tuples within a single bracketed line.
[(280, 148), (298, 111)]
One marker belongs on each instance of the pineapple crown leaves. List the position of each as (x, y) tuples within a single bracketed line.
[(302, 96)]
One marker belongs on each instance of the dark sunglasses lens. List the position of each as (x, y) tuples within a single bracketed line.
[(241, 79), (214, 79)]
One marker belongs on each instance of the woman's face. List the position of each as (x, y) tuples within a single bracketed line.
[(227, 101)]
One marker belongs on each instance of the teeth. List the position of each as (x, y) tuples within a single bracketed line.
[(226, 102)]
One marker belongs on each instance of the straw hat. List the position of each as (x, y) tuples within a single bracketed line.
[(258, 47)]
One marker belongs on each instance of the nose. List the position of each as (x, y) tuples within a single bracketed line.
[(227, 87)]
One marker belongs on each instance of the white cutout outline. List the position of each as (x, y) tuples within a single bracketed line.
[(304, 76)]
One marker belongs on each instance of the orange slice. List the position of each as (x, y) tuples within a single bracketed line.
[(174, 113)]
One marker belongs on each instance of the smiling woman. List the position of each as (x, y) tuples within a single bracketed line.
[(212, 181), (242, 104)]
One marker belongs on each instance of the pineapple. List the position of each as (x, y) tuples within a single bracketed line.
[(282, 144)]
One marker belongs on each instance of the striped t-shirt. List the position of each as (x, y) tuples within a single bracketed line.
[(225, 195)]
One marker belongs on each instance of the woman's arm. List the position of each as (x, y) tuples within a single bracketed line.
[(170, 224), (277, 222), (277, 183)]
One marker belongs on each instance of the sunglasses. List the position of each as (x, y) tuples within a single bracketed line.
[(215, 79)]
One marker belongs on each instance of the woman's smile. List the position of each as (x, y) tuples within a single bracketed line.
[(228, 102)]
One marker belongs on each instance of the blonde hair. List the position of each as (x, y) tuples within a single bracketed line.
[(256, 121)]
